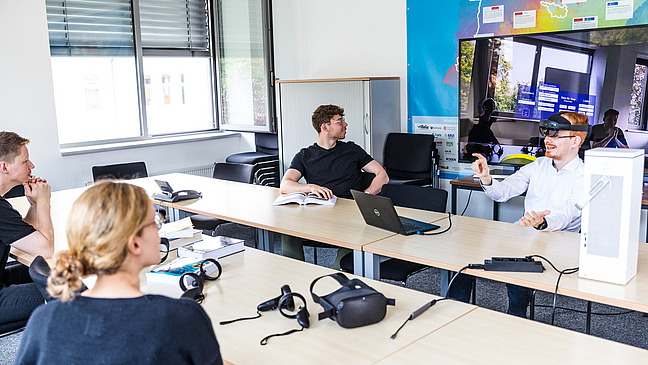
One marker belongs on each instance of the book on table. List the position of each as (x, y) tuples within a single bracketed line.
[(212, 247), (303, 199), (182, 228), (171, 272)]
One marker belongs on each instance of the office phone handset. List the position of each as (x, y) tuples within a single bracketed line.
[(168, 195)]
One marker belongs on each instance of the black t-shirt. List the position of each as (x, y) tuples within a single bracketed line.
[(12, 228), (338, 168), (151, 329)]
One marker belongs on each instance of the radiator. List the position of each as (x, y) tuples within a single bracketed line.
[(201, 170)]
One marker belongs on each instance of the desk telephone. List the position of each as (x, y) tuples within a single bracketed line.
[(168, 195)]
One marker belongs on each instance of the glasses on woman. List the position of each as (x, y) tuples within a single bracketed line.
[(157, 220)]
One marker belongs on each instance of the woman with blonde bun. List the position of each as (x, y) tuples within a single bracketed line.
[(112, 231)]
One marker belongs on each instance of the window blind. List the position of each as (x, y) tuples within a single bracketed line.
[(175, 24), (80, 27)]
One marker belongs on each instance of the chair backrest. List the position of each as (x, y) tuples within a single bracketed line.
[(121, 171), (267, 143), (417, 197), (39, 271), (239, 172), (409, 155)]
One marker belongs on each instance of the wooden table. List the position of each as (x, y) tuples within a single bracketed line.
[(254, 276), (341, 225), (487, 337), (471, 240), (449, 332)]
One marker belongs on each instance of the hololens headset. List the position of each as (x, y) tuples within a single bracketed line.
[(549, 127)]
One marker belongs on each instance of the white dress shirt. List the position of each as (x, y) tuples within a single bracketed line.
[(546, 189)]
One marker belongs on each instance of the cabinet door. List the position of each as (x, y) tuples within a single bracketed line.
[(298, 101)]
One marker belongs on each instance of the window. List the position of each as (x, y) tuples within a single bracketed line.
[(127, 70), (245, 65), (636, 118)]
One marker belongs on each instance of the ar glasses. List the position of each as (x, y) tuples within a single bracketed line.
[(556, 122)]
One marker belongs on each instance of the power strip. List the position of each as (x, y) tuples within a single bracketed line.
[(514, 264)]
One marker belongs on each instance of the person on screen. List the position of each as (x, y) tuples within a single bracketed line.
[(481, 132), (112, 232), (330, 167), (33, 233), (553, 184), (481, 138), (608, 134)]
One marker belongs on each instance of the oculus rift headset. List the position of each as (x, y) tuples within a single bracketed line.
[(550, 126), (355, 304)]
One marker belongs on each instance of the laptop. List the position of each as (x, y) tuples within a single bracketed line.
[(378, 211)]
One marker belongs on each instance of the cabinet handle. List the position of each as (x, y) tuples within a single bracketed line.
[(364, 123)]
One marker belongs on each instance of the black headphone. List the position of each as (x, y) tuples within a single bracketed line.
[(197, 281)]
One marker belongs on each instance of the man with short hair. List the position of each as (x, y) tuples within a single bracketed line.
[(330, 167), (33, 233), (553, 185), (608, 134)]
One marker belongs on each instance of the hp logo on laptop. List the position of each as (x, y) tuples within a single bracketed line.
[(377, 212)]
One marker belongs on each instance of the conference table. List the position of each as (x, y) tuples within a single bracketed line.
[(472, 240), (449, 332), (340, 225), (254, 276)]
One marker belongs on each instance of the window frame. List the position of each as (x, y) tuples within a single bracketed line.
[(213, 53)]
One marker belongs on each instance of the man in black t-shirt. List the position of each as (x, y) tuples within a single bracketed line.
[(33, 233), (330, 167)]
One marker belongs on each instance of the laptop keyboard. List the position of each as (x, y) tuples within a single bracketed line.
[(410, 227)]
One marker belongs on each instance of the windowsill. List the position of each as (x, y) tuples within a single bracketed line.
[(639, 131), (151, 142)]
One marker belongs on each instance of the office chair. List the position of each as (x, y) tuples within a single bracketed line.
[(225, 171), (265, 159), (120, 171), (366, 181), (39, 271), (410, 196), (410, 158)]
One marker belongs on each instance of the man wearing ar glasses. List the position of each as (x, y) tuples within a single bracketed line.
[(553, 185)]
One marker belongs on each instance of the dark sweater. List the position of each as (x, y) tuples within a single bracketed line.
[(151, 329)]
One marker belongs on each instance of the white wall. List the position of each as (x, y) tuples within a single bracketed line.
[(341, 38), (27, 107)]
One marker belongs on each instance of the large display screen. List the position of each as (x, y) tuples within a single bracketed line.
[(508, 84)]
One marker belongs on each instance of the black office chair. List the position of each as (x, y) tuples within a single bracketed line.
[(265, 159), (410, 158), (410, 196), (366, 181), (39, 271), (225, 171), (120, 171)]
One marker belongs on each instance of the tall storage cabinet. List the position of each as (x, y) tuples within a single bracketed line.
[(371, 107)]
